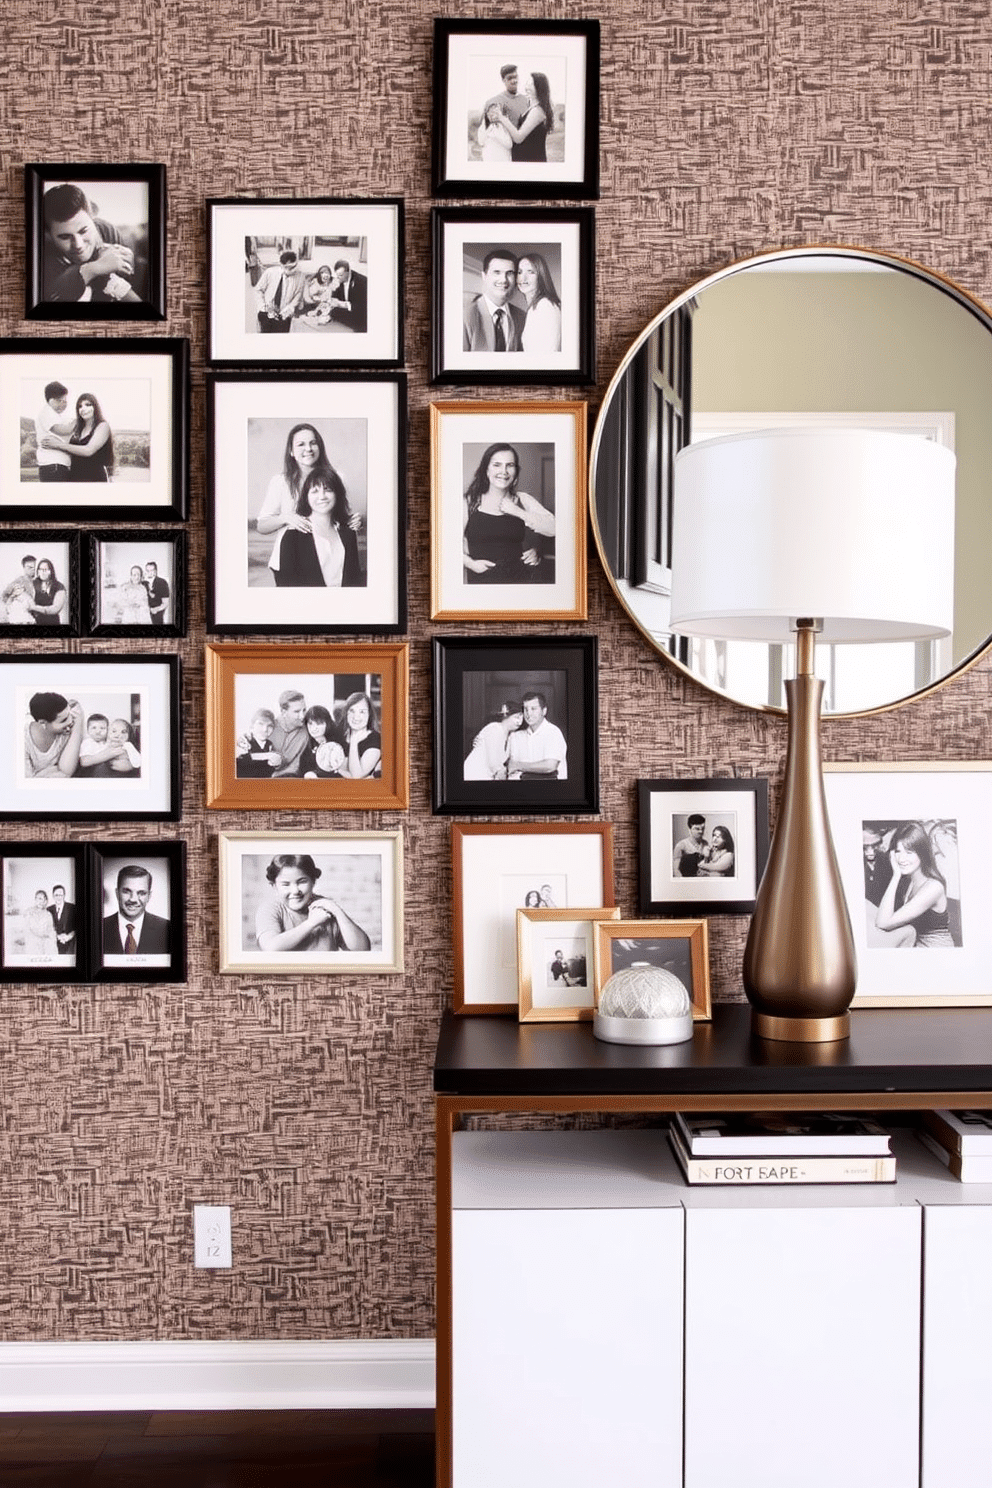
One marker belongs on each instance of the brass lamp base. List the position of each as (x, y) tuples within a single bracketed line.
[(801, 1030)]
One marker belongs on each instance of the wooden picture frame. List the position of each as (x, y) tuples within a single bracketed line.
[(535, 567), (41, 606), (95, 249), (681, 946), (270, 436), (246, 681), (470, 61), (138, 891), (270, 883), (676, 821), (555, 956), (138, 430), (516, 725), (496, 866), (146, 604)]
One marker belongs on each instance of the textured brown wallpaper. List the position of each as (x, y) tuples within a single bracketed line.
[(729, 126)]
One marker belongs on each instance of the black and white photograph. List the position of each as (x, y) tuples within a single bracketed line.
[(680, 947), (90, 737), (39, 583), (910, 842), (703, 843), (137, 914), (306, 281), (306, 498), (96, 427), (516, 109), (555, 963), (508, 510), (513, 295), (42, 914), (328, 902), (516, 726), (95, 242), (137, 583), (504, 870), (306, 726)]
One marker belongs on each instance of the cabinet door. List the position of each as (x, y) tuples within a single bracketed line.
[(802, 1346), (957, 1326), (567, 1348)]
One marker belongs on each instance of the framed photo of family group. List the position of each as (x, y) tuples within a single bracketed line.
[(87, 912), (508, 511), (94, 428), (516, 108), (306, 280), (305, 727), (307, 486), (513, 295)]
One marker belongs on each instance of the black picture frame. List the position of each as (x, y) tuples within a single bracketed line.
[(362, 421), (27, 868), (463, 241), (48, 297), (60, 547), (145, 686), (161, 953), (473, 678), (121, 614), (464, 51), (738, 808), (88, 365)]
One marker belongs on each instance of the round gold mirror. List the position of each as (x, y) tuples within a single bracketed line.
[(809, 337)]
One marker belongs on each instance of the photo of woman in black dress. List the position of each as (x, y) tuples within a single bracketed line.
[(504, 525)]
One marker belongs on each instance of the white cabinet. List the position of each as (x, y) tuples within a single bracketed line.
[(957, 1331)]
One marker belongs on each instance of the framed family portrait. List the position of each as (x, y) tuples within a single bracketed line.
[(678, 946), (508, 511), (92, 737), (703, 844), (513, 295), (42, 936), (94, 241), (555, 963), (303, 727), (498, 868), (911, 842), (516, 108), (137, 911), (322, 902), (315, 280), (94, 428), (39, 583), (516, 725), (137, 583), (307, 499)]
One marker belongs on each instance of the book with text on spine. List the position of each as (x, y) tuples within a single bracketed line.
[(781, 1134), (758, 1171)]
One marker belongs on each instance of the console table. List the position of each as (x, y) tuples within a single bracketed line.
[(895, 1060)]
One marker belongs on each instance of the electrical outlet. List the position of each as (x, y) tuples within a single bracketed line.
[(212, 1235)]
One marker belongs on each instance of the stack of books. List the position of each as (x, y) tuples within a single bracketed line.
[(815, 1147), (963, 1142)]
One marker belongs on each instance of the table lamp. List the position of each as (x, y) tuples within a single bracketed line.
[(785, 535)]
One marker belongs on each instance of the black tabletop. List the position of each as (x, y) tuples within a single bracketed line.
[(890, 1049)]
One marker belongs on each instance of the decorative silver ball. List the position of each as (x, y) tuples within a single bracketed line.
[(643, 1004)]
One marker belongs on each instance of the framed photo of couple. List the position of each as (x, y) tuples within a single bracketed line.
[(96, 429), (299, 281), (508, 511), (513, 295), (703, 845), (307, 727), (307, 499), (516, 109)]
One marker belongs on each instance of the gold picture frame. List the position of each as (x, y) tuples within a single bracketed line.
[(546, 972), (621, 943)]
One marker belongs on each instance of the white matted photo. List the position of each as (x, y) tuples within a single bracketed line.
[(40, 896), (508, 510), (311, 901), (135, 582), (703, 843), (135, 910), (306, 281), (307, 503), (555, 955), (911, 842)]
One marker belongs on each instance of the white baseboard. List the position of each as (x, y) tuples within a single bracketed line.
[(337, 1374)]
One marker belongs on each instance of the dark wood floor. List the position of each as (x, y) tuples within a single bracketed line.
[(218, 1449)]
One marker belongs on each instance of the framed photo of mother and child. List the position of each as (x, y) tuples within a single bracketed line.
[(508, 517), (516, 109), (307, 727), (306, 482)]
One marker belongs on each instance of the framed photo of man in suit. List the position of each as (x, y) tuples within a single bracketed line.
[(137, 923), (513, 295)]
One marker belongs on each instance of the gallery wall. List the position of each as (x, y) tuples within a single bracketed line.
[(728, 127)]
